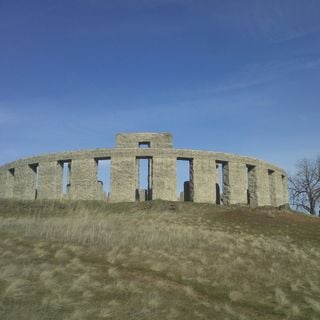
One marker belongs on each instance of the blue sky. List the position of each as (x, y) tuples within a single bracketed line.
[(236, 76)]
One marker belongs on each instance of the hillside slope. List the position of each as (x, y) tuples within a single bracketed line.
[(156, 260)]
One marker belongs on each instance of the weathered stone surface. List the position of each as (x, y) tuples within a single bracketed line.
[(285, 195), (10, 177), (266, 183), (234, 179), (50, 180), (123, 178), (261, 192), (272, 187), (187, 192), (204, 180), (252, 196), (3, 181), (278, 189), (84, 179), (24, 183), (142, 195), (155, 140), (164, 178)]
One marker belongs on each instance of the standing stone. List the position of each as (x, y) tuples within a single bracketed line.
[(252, 186), (204, 180), (164, 178), (272, 188), (278, 186), (285, 196), (143, 195), (234, 183), (83, 179), (10, 177), (123, 178), (3, 182), (24, 182), (260, 192), (187, 192), (50, 180)]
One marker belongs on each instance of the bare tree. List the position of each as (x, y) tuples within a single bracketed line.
[(304, 185)]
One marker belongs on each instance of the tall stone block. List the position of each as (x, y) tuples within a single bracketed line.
[(262, 186), (9, 183), (204, 180), (50, 180), (153, 140), (3, 182), (279, 190), (252, 186), (83, 179), (24, 183), (272, 187), (164, 178), (285, 195), (234, 183), (123, 178)]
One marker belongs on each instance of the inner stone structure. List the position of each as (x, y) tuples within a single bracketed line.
[(215, 177)]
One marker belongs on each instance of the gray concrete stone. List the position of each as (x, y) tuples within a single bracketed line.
[(10, 177), (235, 187), (272, 188), (278, 189), (50, 180), (252, 186), (3, 181), (18, 179), (133, 140), (204, 180), (187, 192), (164, 178), (84, 179), (261, 191), (123, 178), (24, 183), (142, 195), (285, 195)]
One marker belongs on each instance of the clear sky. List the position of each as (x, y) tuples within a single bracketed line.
[(237, 76)]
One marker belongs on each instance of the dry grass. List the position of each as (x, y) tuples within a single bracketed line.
[(149, 261)]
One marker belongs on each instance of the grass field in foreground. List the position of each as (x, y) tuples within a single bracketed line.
[(156, 260)]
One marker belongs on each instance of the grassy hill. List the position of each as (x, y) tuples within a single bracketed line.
[(156, 260)]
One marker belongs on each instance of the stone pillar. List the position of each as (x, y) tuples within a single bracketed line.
[(50, 180), (234, 183), (217, 184), (285, 195), (272, 188), (9, 183), (83, 179), (164, 178), (150, 182), (252, 186), (279, 191), (123, 178), (191, 182), (204, 180), (24, 182), (261, 195), (3, 182)]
